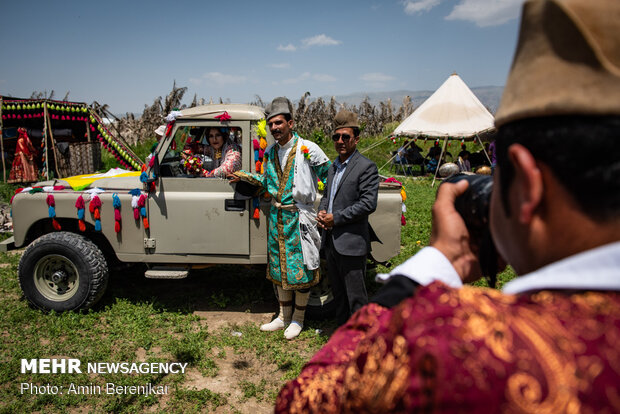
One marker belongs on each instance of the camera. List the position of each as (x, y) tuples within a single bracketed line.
[(473, 206)]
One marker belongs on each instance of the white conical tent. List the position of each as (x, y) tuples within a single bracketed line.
[(452, 111)]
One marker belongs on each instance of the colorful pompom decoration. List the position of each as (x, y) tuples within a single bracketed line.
[(52, 211), (142, 206), (255, 205), (94, 207), (261, 128), (135, 194), (79, 204), (19, 190), (116, 203), (403, 196)]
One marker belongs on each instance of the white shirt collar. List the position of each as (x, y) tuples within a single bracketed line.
[(288, 145), (594, 269)]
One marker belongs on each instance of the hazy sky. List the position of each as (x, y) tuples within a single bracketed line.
[(127, 53)]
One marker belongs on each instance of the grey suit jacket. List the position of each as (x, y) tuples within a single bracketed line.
[(355, 199)]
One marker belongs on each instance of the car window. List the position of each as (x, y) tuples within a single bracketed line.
[(206, 151)]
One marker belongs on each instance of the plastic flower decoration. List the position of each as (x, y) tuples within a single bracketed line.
[(305, 151), (193, 165)]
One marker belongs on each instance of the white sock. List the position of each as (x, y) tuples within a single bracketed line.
[(274, 325), (293, 330)]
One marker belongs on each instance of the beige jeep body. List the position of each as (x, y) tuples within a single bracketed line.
[(193, 221)]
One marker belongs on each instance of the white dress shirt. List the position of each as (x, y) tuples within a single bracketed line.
[(594, 269)]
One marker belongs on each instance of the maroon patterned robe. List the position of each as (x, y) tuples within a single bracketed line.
[(469, 350)]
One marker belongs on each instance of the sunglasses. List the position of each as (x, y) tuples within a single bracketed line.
[(345, 137)]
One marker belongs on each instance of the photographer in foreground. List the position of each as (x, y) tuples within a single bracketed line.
[(548, 343)]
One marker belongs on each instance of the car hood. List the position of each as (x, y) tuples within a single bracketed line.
[(124, 181)]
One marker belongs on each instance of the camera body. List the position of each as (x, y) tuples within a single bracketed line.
[(473, 206)]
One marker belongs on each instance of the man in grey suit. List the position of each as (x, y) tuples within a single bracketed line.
[(350, 196)]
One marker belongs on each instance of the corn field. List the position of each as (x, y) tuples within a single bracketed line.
[(313, 117)]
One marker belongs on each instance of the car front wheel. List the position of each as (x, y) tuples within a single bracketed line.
[(63, 271)]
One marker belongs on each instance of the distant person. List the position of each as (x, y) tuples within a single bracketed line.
[(492, 155), (350, 196), (24, 167), (433, 163), (549, 342), (463, 161), (159, 133)]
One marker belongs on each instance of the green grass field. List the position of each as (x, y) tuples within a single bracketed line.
[(208, 321)]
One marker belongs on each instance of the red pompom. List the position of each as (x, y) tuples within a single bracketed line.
[(56, 224), (94, 203), (117, 226), (146, 222), (142, 200), (256, 215), (82, 225), (79, 202), (97, 214)]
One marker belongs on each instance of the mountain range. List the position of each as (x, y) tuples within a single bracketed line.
[(488, 95)]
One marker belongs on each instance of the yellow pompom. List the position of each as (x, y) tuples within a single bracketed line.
[(321, 186), (403, 194), (263, 143), (262, 168), (261, 128)]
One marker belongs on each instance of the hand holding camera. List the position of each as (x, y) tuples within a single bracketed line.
[(461, 226)]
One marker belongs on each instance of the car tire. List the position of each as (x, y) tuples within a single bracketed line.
[(63, 271)]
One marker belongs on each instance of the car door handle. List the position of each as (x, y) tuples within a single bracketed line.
[(230, 204)]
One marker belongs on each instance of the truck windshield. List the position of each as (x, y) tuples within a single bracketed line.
[(203, 151)]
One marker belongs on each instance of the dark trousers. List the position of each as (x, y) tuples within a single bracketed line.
[(346, 277)]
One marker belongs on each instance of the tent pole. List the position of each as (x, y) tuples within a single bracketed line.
[(483, 150), (2, 142), (443, 149), (49, 127), (47, 156), (88, 130)]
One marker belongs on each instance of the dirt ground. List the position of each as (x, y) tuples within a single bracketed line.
[(234, 368)]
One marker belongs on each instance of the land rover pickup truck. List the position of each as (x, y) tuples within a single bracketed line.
[(182, 221)]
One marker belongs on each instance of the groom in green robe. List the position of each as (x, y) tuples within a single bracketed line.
[(292, 167)]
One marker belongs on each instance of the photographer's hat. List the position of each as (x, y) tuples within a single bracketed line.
[(279, 106), (345, 119), (567, 61)]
